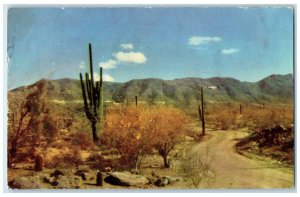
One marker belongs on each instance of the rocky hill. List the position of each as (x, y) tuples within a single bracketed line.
[(275, 88)]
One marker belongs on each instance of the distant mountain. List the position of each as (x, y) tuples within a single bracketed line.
[(277, 88)]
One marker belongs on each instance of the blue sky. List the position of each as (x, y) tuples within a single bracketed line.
[(168, 43)]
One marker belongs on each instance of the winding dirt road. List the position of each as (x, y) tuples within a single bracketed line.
[(233, 170)]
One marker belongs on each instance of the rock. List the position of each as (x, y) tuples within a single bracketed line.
[(107, 169), (57, 173), (68, 182), (167, 180), (126, 179), (84, 175), (29, 182), (45, 178), (161, 182), (174, 179), (134, 171)]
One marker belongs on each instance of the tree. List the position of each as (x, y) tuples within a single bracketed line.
[(135, 131), (124, 131), (166, 127), (23, 127)]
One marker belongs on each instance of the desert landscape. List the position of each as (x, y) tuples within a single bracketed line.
[(193, 132)]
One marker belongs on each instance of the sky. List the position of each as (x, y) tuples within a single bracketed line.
[(246, 43)]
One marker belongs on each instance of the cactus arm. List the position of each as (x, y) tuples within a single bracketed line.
[(88, 87), (84, 94), (97, 93), (100, 91), (202, 114), (92, 75)]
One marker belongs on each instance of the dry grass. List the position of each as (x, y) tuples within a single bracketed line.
[(253, 116), (65, 159)]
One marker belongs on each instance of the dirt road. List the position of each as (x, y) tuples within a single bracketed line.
[(237, 171)]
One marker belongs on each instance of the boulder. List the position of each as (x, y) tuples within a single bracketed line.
[(57, 173), (68, 182), (126, 179), (166, 180), (84, 175), (161, 182), (172, 179), (28, 182)]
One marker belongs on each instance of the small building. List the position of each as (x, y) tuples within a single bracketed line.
[(212, 87)]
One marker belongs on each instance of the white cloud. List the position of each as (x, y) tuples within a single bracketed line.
[(198, 40), (230, 51), (131, 57), (81, 65), (96, 76), (126, 46), (107, 77), (110, 64)]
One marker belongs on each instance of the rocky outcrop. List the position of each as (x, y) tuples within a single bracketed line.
[(68, 182), (29, 182), (126, 179)]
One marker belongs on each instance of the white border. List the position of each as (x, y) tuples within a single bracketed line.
[(139, 4)]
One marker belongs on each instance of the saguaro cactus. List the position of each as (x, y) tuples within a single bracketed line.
[(136, 100), (241, 109), (92, 93), (201, 112)]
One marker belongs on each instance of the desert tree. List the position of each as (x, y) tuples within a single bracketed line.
[(165, 126), (136, 131), (124, 131), (24, 122)]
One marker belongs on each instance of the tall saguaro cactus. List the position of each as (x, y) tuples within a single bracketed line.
[(92, 93), (136, 101), (241, 109), (201, 112)]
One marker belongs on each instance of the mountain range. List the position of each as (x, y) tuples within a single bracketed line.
[(274, 88)]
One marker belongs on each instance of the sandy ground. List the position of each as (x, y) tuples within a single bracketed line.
[(233, 170)]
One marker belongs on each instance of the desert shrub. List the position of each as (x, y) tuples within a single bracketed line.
[(67, 159), (225, 119), (50, 128), (98, 162), (257, 117), (24, 124), (123, 131), (223, 116), (135, 131), (166, 126), (196, 167), (226, 116), (82, 140)]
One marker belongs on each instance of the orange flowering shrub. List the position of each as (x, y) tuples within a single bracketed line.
[(123, 132), (135, 131), (165, 126)]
